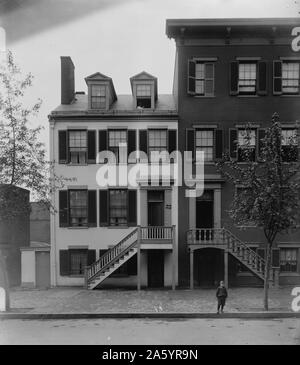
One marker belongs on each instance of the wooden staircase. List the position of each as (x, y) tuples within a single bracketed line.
[(223, 238), (111, 260)]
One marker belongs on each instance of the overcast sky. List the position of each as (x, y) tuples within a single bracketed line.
[(119, 38)]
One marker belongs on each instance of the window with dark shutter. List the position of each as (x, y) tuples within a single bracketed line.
[(91, 146), (190, 141), (62, 147), (234, 77), (143, 141), (63, 208), (233, 143), (262, 78), (219, 143), (275, 257), (172, 140), (92, 208), (64, 262), (261, 136), (277, 77), (131, 145), (91, 257), (191, 77), (132, 208), (103, 207)]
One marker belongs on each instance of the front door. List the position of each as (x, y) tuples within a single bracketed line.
[(155, 208), (43, 269), (155, 268), (205, 210)]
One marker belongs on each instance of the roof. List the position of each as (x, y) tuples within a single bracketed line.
[(123, 105), (175, 27)]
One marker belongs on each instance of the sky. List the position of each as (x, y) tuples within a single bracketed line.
[(118, 38)]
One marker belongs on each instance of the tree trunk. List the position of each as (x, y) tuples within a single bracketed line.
[(266, 279)]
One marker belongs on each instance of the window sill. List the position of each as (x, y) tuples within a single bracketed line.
[(204, 96), (289, 96), (79, 227), (249, 96), (77, 164), (118, 227), (76, 276)]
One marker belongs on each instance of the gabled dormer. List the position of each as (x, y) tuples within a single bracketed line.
[(101, 91), (144, 90)]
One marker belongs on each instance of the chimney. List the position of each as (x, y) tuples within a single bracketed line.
[(67, 80)]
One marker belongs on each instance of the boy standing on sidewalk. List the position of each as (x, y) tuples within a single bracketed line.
[(221, 296)]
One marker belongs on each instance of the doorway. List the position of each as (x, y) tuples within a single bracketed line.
[(156, 268), (156, 207), (42, 269), (205, 215), (209, 267)]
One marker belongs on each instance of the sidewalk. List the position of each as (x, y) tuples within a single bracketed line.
[(75, 301)]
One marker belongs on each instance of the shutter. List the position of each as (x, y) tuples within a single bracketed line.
[(190, 141), (63, 208), (261, 252), (277, 77), (234, 78), (92, 208), (132, 208), (91, 146), (62, 147), (172, 140), (261, 136), (275, 257), (64, 262), (103, 207), (143, 141), (102, 140), (262, 78), (219, 143), (91, 257), (191, 77), (131, 145), (233, 135)]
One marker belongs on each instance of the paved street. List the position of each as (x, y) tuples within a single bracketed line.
[(151, 332)]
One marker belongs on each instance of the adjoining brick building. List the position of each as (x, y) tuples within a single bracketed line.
[(230, 72)]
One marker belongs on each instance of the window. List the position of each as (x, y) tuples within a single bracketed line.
[(98, 97), (114, 139), (157, 141), (246, 145), (78, 200), (288, 259), (290, 77), (143, 96), (205, 142), (78, 261), (289, 145), (118, 207), (78, 147), (247, 78), (204, 81)]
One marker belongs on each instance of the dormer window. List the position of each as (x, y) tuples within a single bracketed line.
[(98, 97), (143, 96), (101, 92), (144, 90)]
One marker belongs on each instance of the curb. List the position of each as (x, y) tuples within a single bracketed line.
[(246, 315)]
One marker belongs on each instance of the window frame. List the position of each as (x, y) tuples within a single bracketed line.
[(255, 146), (74, 251), (205, 79), (109, 208), (291, 145), (144, 97), (100, 96), (148, 141), (297, 259), (111, 148), (213, 142), (247, 93), (82, 207), (284, 62), (85, 149)]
